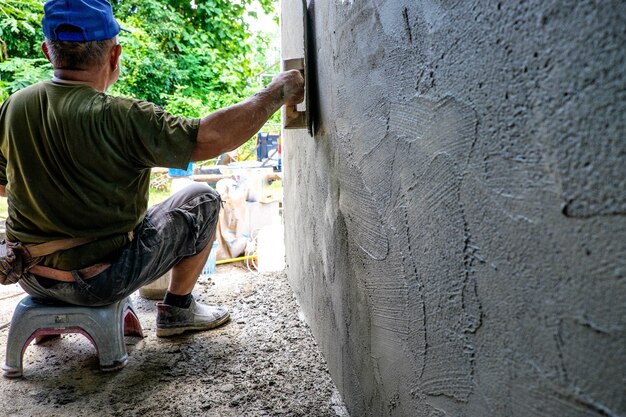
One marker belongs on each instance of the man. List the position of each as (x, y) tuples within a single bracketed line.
[(75, 166)]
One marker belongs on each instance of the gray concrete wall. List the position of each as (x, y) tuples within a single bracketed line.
[(456, 229)]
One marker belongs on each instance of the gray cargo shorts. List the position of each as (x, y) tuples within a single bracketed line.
[(177, 228)]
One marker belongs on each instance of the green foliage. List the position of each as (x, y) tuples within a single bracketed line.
[(189, 56), (20, 27), (146, 72), (21, 60), (180, 48), (22, 73)]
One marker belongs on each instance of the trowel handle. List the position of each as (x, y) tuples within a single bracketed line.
[(292, 118)]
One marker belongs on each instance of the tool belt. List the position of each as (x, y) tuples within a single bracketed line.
[(16, 259)]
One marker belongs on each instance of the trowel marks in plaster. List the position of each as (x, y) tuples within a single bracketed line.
[(451, 304), (361, 213), (444, 126), (430, 170)]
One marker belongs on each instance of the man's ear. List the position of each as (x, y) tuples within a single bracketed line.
[(115, 56), (44, 49)]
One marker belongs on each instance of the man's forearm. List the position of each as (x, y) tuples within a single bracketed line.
[(3, 191), (226, 129)]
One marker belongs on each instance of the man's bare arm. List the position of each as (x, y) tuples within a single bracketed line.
[(226, 129), (3, 191)]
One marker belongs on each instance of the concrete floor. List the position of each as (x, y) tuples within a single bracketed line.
[(264, 363)]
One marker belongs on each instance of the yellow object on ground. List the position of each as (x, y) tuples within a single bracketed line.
[(241, 258)]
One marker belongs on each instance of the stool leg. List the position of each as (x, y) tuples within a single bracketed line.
[(108, 337), (105, 327), (20, 335), (132, 326)]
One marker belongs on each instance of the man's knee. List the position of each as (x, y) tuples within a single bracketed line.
[(197, 189), (208, 199), (203, 204), (192, 195), (189, 217)]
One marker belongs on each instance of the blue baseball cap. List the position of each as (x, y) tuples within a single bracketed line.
[(79, 20)]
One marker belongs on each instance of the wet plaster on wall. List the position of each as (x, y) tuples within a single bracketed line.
[(453, 255)]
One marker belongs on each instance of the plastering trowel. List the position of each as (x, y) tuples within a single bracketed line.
[(303, 115)]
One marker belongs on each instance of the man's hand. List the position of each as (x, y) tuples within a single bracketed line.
[(226, 129), (292, 86)]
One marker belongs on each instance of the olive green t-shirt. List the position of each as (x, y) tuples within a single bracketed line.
[(76, 163)]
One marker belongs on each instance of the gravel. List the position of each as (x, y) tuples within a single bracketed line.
[(265, 362)]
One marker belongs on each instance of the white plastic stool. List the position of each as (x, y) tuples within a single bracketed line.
[(104, 326)]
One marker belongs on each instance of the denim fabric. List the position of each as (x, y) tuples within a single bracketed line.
[(177, 228)]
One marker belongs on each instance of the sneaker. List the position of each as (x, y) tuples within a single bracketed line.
[(172, 321)]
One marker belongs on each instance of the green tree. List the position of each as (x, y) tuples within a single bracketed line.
[(19, 26), (199, 49), (183, 54), (21, 60)]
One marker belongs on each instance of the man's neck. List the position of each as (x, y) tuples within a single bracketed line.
[(65, 81), (90, 78)]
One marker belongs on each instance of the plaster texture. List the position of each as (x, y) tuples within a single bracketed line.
[(456, 228)]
